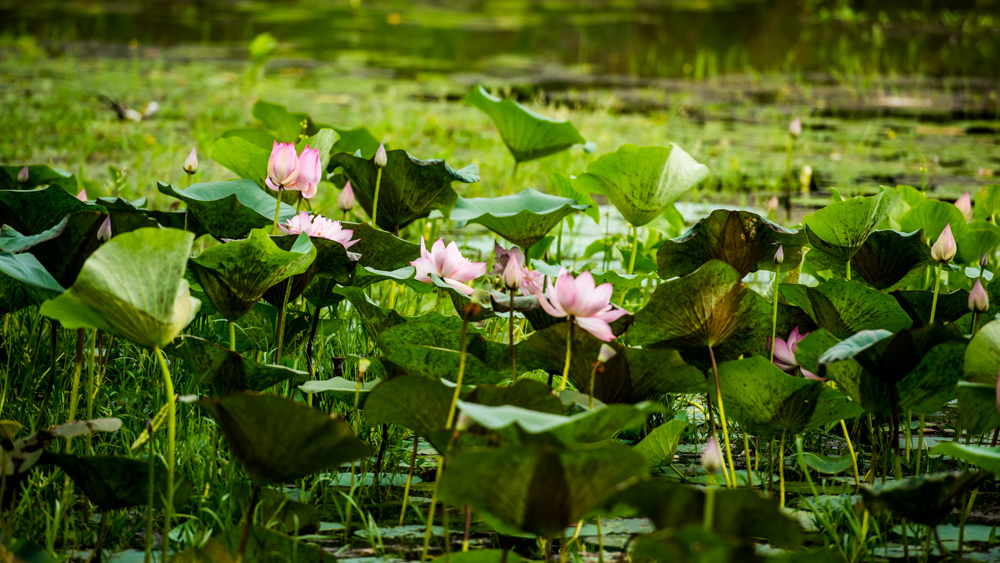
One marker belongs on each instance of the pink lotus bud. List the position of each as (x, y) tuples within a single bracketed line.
[(22, 176), (191, 162), (779, 256), (944, 248), (964, 204), (985, 260), (282, 167), (711, 456), (381, 159), (345, 201), (82, 196), (310, 172), (772, 204), (606, 353), (795, 128), (979, 302), (513, 275), (104, 232)]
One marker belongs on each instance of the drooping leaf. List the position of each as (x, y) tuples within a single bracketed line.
[(24, 282), (132, 286), (527, 134), (31, 212), (982, 357), (924, 499), (225, 372), (245, 159), (523, 219), (642, 182), (332, 265), (840, 229), (660, 445), (229, 209), (977, 407), (844, 307), (886, 257), (38, 175), (375, 319), (113, 482)]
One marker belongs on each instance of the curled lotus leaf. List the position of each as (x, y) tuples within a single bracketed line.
[(24, 282), (62, 249), (523, 218), (333, 264), (840, 229), (844, 307), (31, 212), (229, 210)]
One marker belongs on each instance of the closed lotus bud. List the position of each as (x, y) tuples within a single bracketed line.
[(964, 204), (381, 159), (772, 204), (979, 302), (944, 248), (345, 201), (464, 422), (779, 256), (985, 260), (363, 365), (82, 196), (711, 456), (22, 176), (513, 275), (191, 162), (795, 128), (104, 232), (606, 353)]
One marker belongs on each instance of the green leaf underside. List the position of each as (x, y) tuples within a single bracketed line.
[(229, 209), (840, 229), (522, 219)]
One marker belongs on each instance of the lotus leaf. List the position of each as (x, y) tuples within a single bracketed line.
[(245, 159), (226, 372), (917, 304), (977, 406), (840, 229), (340, 388), (38, 175), (982, 357), (886, 257), (660, 445), (64, 248), (980, 238), (924, 499), (31, 212), (332, 265), (844, 307), (933, 216), (986, 458), (112, 482), (523, 219), (229, 210), (24, 282)]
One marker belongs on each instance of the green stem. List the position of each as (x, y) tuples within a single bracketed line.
[(600, 542), (593, 376), (277, 210), (90, 387), (168, 385), (378, 184), (975, 324), (281, 321), (458, 380), (937, 289), (774, 311), (635, 249), (510, 327), (409, 479), (722, 418), (781, 468), (848, 275), (430, 515), (569, 349), (232, 336), (149, 515), (854, 457), (709, 508), (920, 445), (746, 454)]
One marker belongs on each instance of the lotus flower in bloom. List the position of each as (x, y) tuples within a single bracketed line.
[(282, 167), (310, 172), (944, 248), (589, 306), (447, 263), (510, 264), (979, 302), (319, 226), (964, 204), (784, 353), (345, 201)]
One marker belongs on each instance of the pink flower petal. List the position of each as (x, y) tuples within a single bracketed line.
[(597, 327), (455, 284)]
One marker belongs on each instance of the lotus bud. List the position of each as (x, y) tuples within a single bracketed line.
[(345, 201), (464, 422), (979, 302), (772, 204), (191, 162), (82, 196), (779, 256), (513, 275), (363, 366), (606, 353), (282, 166), (381, 159), (944, 248), (795, 128), (964, 204), (22, 176), (711, 456), (104, 232), (984, 261)]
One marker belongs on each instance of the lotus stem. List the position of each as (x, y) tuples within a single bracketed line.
[(774, 311), (298, 203), (77, 369), (937, 289), (854, 457), (600, 542), (281, 321), (788, 179), (781, 469), (232, 336), (249, 522), (168, 385), (409, 479), (709, 515), (513, 173), (378, 185), (559, 243), (920, 445), (746, 454), (569, 350), (593, 376), (461, 374), (468, 526), (731, 477), (965, 514), (847, 276), (151, 498), (510, 326), (310, 363), (635, 249), (975, 324), (277, 210)]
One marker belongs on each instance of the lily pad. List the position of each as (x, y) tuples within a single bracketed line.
[(840, 229), (527, 134), (523, 219), (112, 482), (844, 307), (977, 407), (24, 282), (225, 372), (229, 209)]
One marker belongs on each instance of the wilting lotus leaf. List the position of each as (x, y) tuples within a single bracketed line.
[(523, 218), (38, 175), (113, 482), (708, 307), (917, 304), (840, 229), (767, 401), (977, 407), (427, 334), (31, 212), (64, 248), (980, 238), (331, 265), (632, 375), (887, 257), (924, 499), (535, 488), (340, 389), (24, 282), (932, 216), (739, 514), (641, 182), (245, 159), (236, 274), (744, 240), (660, 445), (982, 357), (278, 440), (132, 286), (986, 458), (844, 307), (527, 134), (229, 209), (226, 372), (410, 188)]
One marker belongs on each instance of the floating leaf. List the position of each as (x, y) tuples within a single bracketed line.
[(113, 482), (523, 219), (840, 229), (24, 282), (844, 307), (924, 499), (225, 371), (229, 209)]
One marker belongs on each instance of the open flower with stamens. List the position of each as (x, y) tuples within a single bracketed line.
[(319, 226), (584, 303), (447, 263)]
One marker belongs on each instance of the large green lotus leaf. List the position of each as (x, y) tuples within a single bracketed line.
[(892, 356), (536, 488), (980, 238), (739, 514), (564, 187), (887, 257), (38, 175), (245, 159), (278, 440), (418, 403), (932, 216), (438, 363), (660, 445), (353, 140), (332, 263), (229, 209), (708, 307), (410, 188), (977, 407), (257, 137), (375, 319), (924, 499), (286, 125), (525, 393), (982, 357), (642, 182), (64, 248), (917, 304), (24, 282), (132, 286), (225, 372), (985, 458), (632, 375), (31, 212), (112, 482), (844, 307), (518, 424), (523, 218), (744, 240), (427, 334), (236, 274), (840, 229), (527, 134)]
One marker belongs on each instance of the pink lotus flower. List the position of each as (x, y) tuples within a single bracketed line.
[(310, 172), (104, 231), (82, 196), (510, 265), (711, 456), (345, 201), (22, 176), (979, 301), (964, 204), (589, 306), (784, 354), (319, 226), (944, 248), (447, 263), (282, 167)]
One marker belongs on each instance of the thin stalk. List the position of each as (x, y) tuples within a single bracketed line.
[(746, 454), (569, 350), (409, 479), (731, 478), (277, 210), (854, 457), (920, 445), (559, 243), (168, 384), (788, 180), (468, 526), (281, 321), (781, 469), (510, 327), (149, 514), (357, 423), (709, 515), (249, 522), (600, 542), (593, 376), (378, 185), (965, 514), (232, 335), (975, 324), (937, 289), (635, 249), (458, 380), (774, 311), (310, 364), (90, 388), (848, 275)]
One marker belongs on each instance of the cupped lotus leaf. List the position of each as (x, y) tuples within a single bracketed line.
[(528, 135), (332, 264), (132, 286), (642, 182), (980, 238), (31, 212), (24, 282), (844, 307), (278, 440), (38, 175), (428, 334), (229, 210), (225, 372), (660, 445), (933, 216), (982, 357), (977, 407), (536, 488), (340, 389), (985, 458), (112, 482), (917, 304), (924, 499), (410, 189), (236, 274), (632, 375), (744, 240), (840, 229), (64, 248), (523, 218), (887, 257), (245, 159)]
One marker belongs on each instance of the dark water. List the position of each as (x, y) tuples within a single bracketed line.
[(637, 38)]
